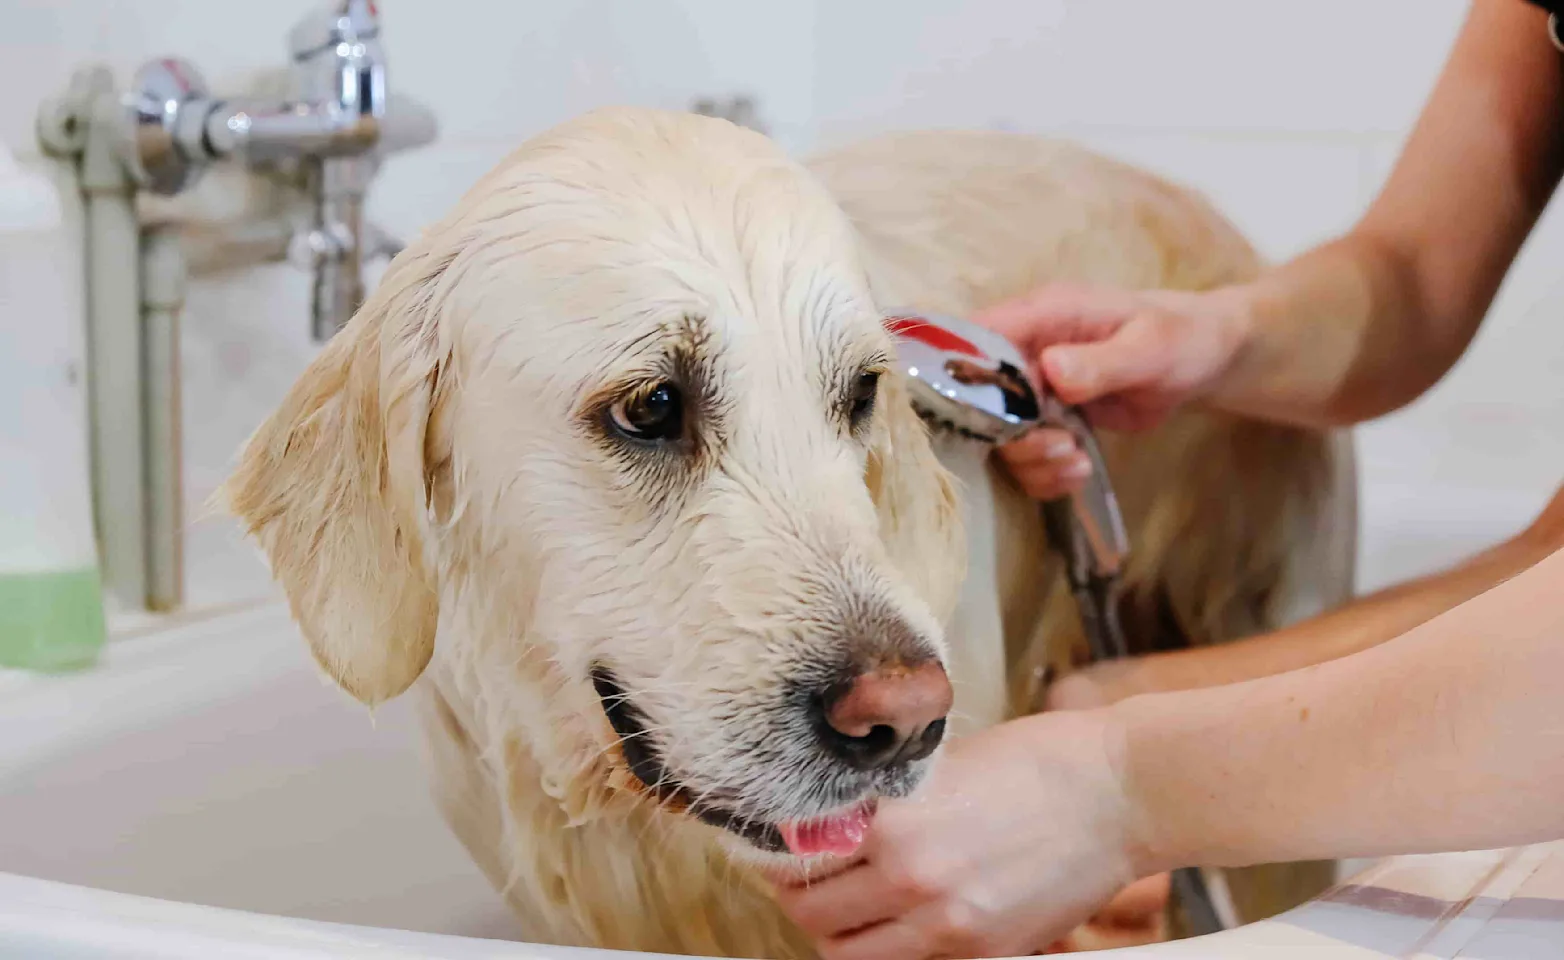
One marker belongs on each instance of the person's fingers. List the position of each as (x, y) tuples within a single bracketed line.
[(1133, 918), (1058, 314), (923, 935), (1135, 356), (847, 902), (1090, 938), (1050, 480), (1041, 446), (896, 940), (1138, 904)]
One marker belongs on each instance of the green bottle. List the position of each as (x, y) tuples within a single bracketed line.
[(51, 621), (51, 602)]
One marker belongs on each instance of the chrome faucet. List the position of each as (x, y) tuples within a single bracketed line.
[(337, 130), (315, 150)]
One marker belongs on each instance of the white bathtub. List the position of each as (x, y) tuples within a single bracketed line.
[(205, 794)]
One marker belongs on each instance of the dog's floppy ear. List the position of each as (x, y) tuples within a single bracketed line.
[(335, 487), (916, 498)]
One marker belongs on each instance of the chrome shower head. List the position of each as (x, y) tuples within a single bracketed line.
[(964, 378), (971, 381)]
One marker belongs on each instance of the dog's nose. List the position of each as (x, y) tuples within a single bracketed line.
[(888, 716)]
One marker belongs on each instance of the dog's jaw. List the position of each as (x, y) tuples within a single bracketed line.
[(785, 846), (646, 766)]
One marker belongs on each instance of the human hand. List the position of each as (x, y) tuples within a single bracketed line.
[(1020, 834), (1137, 914), (1128, 358)]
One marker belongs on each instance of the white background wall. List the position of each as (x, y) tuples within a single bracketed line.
[(1287, 115)]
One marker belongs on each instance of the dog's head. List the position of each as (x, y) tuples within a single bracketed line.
[(624, 431)]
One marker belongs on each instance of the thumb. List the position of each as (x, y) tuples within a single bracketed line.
[(1083, 372), (1057, 314)]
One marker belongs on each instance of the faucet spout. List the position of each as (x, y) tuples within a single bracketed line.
[(339, 127)]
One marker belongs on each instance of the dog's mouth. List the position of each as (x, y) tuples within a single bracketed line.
[(837, 834)]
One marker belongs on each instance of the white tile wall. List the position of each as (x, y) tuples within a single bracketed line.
[(1287, 115), (1325, 67)]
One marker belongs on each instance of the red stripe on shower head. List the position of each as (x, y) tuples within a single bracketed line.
[(932, 334)]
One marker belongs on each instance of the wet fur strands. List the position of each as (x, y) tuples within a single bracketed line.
[(613, 471)]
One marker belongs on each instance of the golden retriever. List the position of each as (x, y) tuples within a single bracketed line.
[(615, 459)]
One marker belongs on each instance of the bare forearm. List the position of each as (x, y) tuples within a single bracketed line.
[(1319, 328), (1357, 626), (1449, 737), (1363, 325)]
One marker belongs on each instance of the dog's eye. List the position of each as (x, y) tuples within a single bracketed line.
[(656, 413), (861, 400)]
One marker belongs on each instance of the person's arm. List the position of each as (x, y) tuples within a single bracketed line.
[(1364, 325), (1357, 626), (1449, 737), (1349, 330)]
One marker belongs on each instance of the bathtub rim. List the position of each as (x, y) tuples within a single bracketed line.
[(67, 920)]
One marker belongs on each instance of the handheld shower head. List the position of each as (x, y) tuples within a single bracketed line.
[(973, 382), (959, 385)]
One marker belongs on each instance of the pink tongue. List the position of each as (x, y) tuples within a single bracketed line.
[(837, 835)]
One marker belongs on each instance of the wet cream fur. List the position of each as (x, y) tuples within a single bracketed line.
[(444, 513)]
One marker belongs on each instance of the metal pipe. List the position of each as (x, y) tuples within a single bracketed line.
[(113, 358), (1205, 899), (159, 135), (163, 284), (263, 132), (337, 243)]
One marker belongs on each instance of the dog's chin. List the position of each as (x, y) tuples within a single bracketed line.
[(787, 846)]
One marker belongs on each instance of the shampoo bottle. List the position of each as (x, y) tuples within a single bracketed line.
[(51, 602)]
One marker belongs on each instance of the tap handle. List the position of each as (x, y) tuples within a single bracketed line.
[(340, 21), (161, 123), (406, 125)]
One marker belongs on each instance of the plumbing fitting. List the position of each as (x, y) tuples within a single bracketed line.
[(342, 124), (326, 140)]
